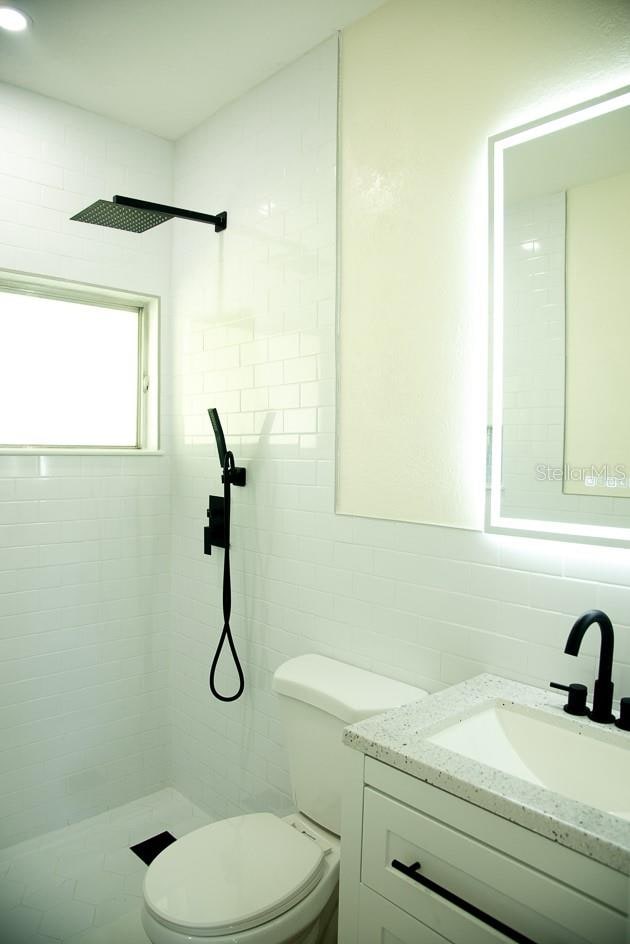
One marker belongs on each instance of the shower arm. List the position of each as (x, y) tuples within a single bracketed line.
[(219, 221)]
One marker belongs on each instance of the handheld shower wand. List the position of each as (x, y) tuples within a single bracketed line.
[(217, 533)]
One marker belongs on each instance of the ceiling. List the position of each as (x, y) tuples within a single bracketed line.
[(163, 65)]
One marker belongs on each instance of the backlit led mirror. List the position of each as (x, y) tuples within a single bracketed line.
[(559, 425)]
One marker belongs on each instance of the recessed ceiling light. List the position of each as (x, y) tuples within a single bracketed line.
[(12, 19)]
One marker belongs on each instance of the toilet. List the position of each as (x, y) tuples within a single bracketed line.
[(261, 878)]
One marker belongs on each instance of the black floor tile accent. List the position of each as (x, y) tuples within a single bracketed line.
[(148, 849)]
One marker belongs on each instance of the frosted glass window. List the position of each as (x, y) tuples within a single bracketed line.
[(69, 373)]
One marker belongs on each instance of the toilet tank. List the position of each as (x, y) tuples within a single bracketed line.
[(319, 697)]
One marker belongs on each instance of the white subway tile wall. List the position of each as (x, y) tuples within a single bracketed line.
[(84, 540), (102, 575), (534, 371), (254, 335), (533, 358)]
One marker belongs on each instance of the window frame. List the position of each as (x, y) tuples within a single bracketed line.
[(148, 374)]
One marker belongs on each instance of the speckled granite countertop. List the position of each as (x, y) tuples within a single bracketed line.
[(399, 738)]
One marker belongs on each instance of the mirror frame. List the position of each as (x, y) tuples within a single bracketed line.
[(495, 521)]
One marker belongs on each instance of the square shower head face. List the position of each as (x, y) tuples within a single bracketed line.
[(117, 216)]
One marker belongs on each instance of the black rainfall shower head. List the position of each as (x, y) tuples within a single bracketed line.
[(118, 216), (137, 216)]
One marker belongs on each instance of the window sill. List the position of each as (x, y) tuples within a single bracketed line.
[(79, 451)]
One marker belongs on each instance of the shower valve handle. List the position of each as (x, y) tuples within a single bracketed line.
[(214, 533)]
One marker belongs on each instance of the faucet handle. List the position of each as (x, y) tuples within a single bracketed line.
[(576, 704), (624, 714)]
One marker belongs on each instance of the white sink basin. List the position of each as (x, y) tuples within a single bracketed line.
[(584, 763)]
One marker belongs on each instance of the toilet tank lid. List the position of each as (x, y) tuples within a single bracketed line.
[(342, 690)]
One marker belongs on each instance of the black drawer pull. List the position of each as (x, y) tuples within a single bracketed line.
[(411, 871)]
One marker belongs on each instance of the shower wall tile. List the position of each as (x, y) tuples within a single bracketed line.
[(254, 335), (84, 540)]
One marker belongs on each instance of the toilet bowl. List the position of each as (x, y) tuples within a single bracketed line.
[(259, 878), (254, 879)]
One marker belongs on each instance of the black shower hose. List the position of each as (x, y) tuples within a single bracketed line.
[(228, 466)]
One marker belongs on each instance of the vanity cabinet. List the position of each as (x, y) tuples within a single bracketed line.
[(422, 866)]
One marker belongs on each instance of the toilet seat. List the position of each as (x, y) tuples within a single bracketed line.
[(232, 875)]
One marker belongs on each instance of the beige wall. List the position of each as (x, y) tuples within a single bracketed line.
[(597, 427), (424, 83)]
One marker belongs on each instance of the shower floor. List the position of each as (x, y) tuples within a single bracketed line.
[(83, 884)]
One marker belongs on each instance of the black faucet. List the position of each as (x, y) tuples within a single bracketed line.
[(603, 691)]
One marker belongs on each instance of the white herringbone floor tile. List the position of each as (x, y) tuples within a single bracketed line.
[(82, 884)]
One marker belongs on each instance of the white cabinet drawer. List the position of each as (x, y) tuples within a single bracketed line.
[(460, 865), (381, 922)]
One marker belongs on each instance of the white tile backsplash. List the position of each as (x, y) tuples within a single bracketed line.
[(84, 540)]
